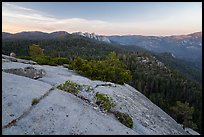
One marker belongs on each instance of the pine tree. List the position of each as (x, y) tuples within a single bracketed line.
[(35, 50)]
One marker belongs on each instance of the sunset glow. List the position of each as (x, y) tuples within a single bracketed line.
[(107, 19)]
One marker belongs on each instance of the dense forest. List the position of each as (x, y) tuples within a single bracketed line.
[(192, 70), (165, 87), (152, 75), (70, 47)]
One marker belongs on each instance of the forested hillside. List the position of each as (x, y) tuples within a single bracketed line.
[(69, 46), (165, 86)]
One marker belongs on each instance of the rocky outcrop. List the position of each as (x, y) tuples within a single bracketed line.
[(58, 112), (13, 59), (29, 71), (93, 36)]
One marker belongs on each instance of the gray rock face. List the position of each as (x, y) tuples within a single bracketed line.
[(9, 58), (30, 72), (60, 112), (17, 95), (93, 36)]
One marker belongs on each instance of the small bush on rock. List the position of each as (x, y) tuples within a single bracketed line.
[(104, 101), (25, 57), (70, 87), (35, 101), (46, 60), (124, 118)]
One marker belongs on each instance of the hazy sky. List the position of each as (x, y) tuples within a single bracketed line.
[(105, 18)]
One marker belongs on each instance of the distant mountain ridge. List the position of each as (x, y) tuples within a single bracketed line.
[(57, 34), (122, 39), (187, 47), (34, 35)]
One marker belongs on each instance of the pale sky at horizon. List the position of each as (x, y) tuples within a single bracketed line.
[(103, 18)]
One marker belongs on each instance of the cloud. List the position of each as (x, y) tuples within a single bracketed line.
[(11, 10), (16, 19), (16, 7)]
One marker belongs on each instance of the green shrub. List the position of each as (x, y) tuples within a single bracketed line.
[(70, 87), (35, 101), (46, 60), (61, 61), (104, 101), (25, 57), (124, 118), (110, 69)]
